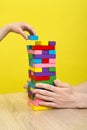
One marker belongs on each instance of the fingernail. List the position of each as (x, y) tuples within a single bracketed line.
[(33, 90), (26, 38), (37, 84)]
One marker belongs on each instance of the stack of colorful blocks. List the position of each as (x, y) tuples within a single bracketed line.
[(42, 68)]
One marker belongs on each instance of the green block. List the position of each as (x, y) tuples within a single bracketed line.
[(51, 81), (52, 78), (32, 97), (28, 87), (30, 56), (52, 69)]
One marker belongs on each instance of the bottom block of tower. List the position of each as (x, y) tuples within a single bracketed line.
[(36, 107)]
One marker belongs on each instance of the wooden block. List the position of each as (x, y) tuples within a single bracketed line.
[(30, 56), (52, 52), (31, 84), (37, 78), (35, 61), (32, 97), (35, 102), (52, 43), (43, 47), (52, 78), (44, 56), (29, 95), (51, 81), (45, 73), (32, 37), (31, 89), (29, 80), (38, 108), (35, 52), (37, 42), (45, 60), (45, 52), (52, 69), (44, 43), (45, 69), (44, 65), (52, 61), (29, 47), (35, 69)]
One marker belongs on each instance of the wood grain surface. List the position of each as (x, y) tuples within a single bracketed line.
[(15, 114)]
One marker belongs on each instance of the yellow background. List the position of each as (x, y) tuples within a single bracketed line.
[(62, 20)]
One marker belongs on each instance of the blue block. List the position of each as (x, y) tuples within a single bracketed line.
[(36, 61), (52, 52), (30, 84), (32, 37)]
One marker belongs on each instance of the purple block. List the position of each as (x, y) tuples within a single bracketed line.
[(45, 74), (45, 69), (45, 52), (52, 43), (44, 56)]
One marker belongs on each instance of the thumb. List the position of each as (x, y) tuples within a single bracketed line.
[(26, 86), (58, 83)]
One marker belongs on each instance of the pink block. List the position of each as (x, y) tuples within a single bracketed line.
[(32, 73), (34, 51), (28, 102), (43, 65), (35, 102), (52, 61)]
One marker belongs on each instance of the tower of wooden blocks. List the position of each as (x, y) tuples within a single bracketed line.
[(42, 68)]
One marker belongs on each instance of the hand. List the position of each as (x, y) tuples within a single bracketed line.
[(20, 28), (60, 96)]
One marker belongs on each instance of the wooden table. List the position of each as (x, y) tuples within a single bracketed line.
[(15, 114)]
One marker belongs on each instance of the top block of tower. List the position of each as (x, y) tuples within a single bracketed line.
[(32, 37)]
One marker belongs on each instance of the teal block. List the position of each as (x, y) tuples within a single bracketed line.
[(32, 37), (36, 61), (29, 47), (30, 84), (52, 52)]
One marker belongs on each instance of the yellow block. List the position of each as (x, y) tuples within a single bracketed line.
[(29, 80), (31, 88), (35, 69), (44, 42), (33, 43), (39, 108), (37, 42)]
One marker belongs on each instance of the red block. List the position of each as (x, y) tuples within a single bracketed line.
[(44, 60), (39, 77), (39, 47), (28, 95)]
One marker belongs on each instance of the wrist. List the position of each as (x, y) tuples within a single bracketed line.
[(8, 28)]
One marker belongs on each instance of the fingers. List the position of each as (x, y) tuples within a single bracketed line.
[(29, 29), (42, 97), (21, 27), (45, 86), (23, 34), (43, 92), (48, 104)]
